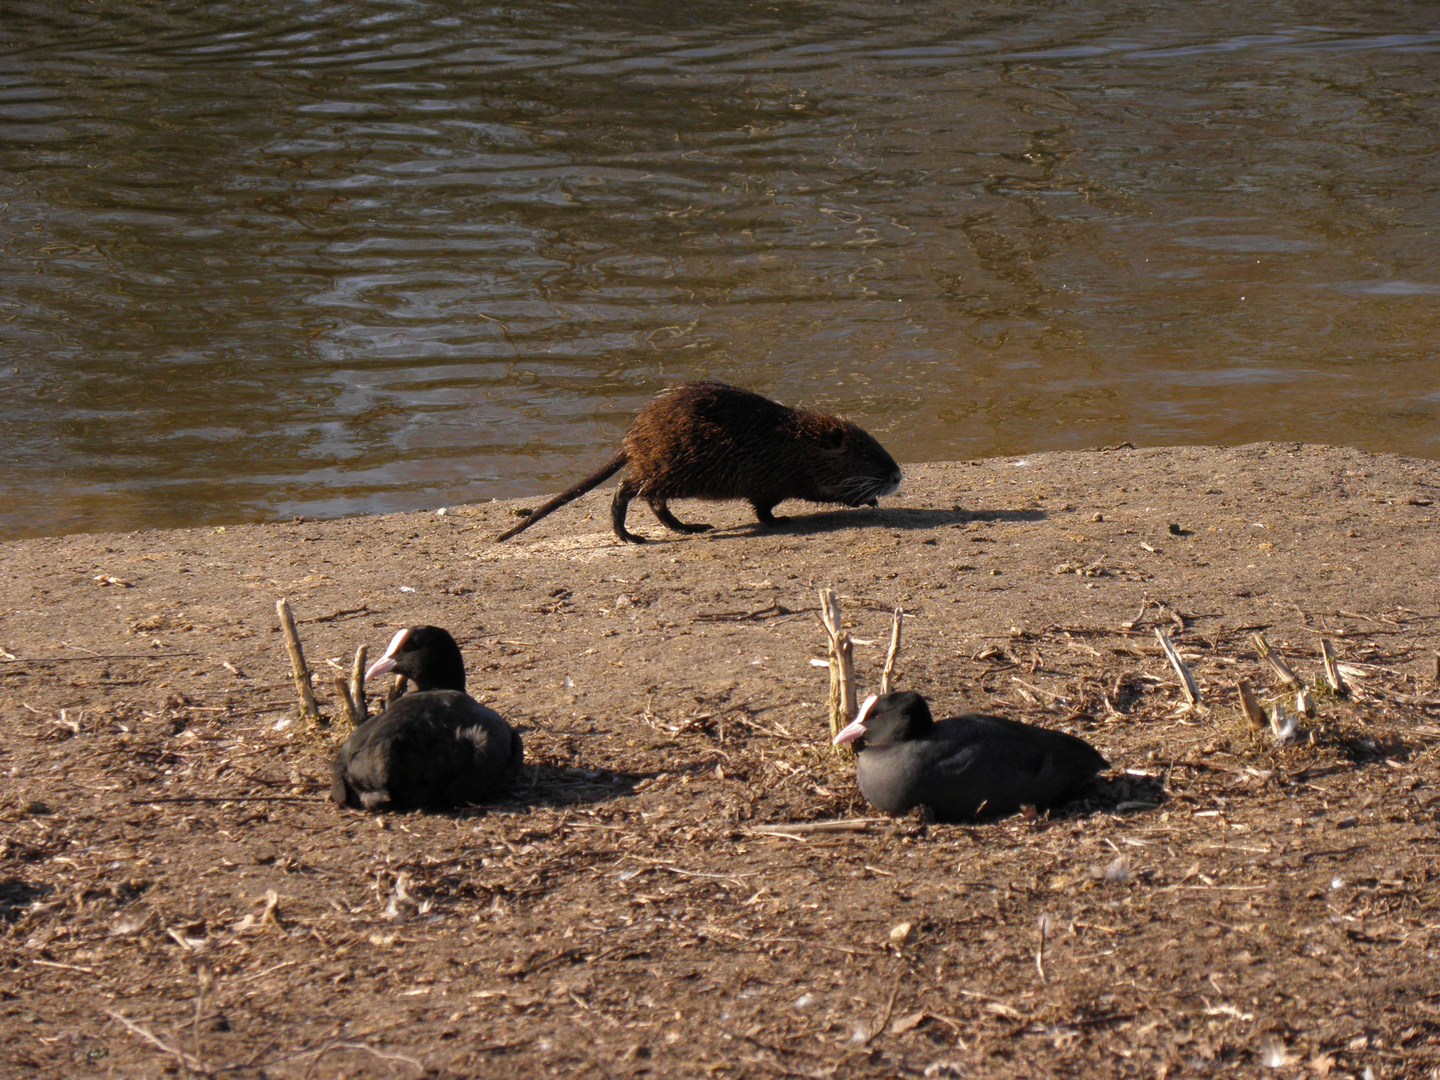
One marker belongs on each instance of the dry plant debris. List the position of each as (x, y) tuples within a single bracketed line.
[(685, 881)]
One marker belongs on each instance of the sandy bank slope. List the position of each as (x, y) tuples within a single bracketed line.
[(619, 914)]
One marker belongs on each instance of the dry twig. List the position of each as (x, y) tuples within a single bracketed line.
[(396, 689), (357, 681), (889, 670), (841, 663), (186, 1060), (880, 1024), (849, 825), (1332, 671), (297, 660), (322, 1051), (1044, 926), (1187, 681), (347, 703), (1276, 661), (1251, 705)]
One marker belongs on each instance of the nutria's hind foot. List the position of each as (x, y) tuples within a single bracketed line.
[(618, 506), (670, 521)]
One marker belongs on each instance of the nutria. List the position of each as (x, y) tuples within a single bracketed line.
[(707, 440)]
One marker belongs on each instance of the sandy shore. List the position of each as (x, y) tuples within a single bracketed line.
[(1216, 904)]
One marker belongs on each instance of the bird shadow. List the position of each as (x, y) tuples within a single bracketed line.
[(885, 518), (1124, 795), (542, 785)]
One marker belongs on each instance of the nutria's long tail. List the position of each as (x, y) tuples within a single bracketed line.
[(574, 491)]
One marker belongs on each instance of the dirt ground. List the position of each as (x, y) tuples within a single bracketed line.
[(177, 896)]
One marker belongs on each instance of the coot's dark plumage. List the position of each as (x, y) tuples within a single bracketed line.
[(433, 748), (958, 768)]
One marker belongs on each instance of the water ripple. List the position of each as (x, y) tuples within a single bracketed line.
[(323, 258)]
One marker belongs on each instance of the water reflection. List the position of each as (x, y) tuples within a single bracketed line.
[(324, 259)]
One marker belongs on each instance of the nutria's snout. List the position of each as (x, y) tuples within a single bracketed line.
[(869, 490), (864, 469)]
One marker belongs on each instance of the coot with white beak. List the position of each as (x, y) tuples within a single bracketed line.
[(433, 748), (962, 767)]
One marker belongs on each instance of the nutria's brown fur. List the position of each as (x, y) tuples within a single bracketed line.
[(706, 440)]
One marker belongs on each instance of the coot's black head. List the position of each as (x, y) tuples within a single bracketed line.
[(427, 656), (890, 719)]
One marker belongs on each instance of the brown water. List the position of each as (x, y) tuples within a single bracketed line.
[(302, 258)]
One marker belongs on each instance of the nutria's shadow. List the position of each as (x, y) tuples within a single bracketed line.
[(886, 518)]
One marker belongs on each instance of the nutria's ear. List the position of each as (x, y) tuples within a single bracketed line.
[(833, 439)]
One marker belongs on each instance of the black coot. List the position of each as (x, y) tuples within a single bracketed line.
[(962, 767), (433, 748)]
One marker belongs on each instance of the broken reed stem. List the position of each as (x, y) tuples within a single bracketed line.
[(347, 703), (1044, 926), (297, 660), (894, 651), (832, 698), (271, 915), (205, 977), (1304, 702), (845, 653), (1251, 705), (1332, 671), (1187, 681), (1276, 661), (842, 663), (801, 828), (357, 682), (396, 689)]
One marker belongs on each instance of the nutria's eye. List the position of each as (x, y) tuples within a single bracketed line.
[(833, 439)]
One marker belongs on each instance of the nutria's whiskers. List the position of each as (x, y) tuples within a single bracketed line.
[(861, 490)]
